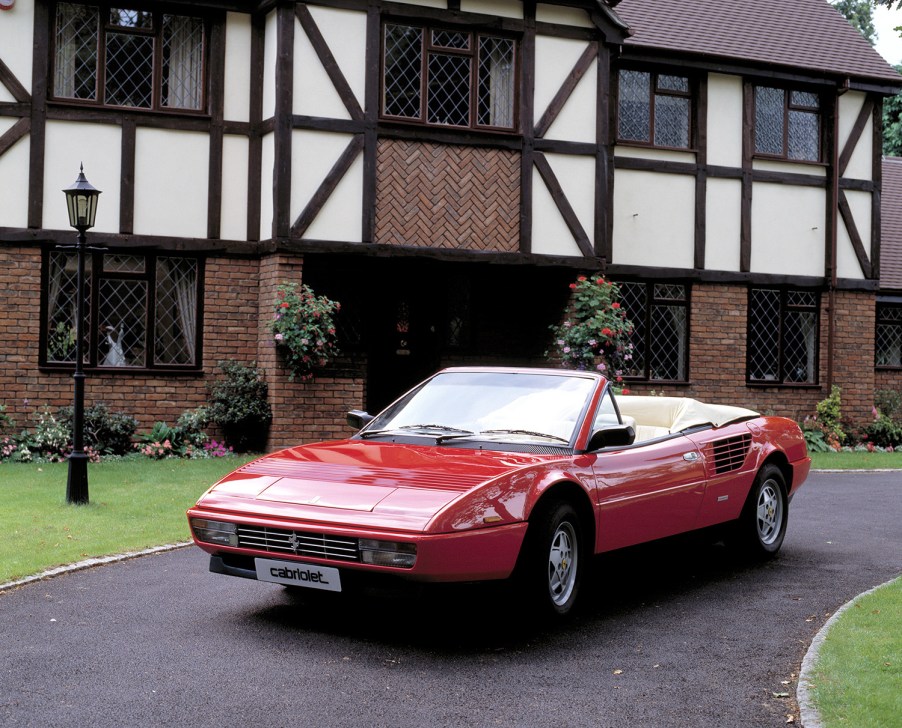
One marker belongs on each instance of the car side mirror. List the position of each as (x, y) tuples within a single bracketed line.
[(358, 419), (617, 436)]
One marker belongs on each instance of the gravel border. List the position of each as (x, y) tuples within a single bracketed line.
[(808, 714), (88, 563)]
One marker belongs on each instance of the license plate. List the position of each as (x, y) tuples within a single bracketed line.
[(294, 573)]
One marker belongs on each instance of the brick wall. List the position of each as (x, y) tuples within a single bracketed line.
[(717, 356), (302, 411), (885, 379)]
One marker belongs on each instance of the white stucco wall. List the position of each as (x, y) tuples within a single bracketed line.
[(233, 215), (171, 190), (98, 146), (17, 42), (313, 155), (269, 67), (500, 8), (550, 234), (345, 33), (654, 219), (724, 120), (427, 3), (267, 165), (14, 173), (723, 226), (660, 155), (788, 230), (555, 58), (860, 165), (774, 165), (238, 67), (847, 265), (564, 16), (313, 91)]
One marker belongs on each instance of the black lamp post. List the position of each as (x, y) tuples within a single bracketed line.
[(81, 199)]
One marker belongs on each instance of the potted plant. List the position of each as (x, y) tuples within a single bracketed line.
[(239, 404), (303, 329)]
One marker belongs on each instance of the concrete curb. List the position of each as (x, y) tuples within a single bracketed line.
[(88, 563), (808, 714)]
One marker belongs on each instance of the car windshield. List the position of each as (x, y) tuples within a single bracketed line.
[(495, 404)]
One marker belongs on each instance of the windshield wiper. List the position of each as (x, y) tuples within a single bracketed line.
[(403, 428), (521, 432)]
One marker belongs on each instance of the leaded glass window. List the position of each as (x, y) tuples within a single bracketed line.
[(888, 342), (787, 124), (142, 311), (123, 57), (659, 313), (654, 108), (782, 336), (448, 77)]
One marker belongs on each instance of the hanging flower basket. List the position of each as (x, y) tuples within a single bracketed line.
[(303, 329)]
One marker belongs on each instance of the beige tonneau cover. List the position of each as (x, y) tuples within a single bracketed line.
[(658, 416)]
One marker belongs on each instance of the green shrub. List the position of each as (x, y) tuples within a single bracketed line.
[(829, 415), (106, 432), (239, 404)]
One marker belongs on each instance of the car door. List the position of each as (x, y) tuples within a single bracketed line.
[(647, 491)]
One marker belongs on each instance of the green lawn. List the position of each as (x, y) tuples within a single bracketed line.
[(858, 675), (856, 460), (135, 504)]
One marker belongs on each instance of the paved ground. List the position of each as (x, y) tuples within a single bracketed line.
[(673, 635)]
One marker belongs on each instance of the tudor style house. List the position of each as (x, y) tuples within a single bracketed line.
[(444, 169)]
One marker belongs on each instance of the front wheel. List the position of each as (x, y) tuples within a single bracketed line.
[(762, 525), (554, 562)]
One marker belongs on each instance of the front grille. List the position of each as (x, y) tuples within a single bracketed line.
[(298, 543), (729, 454)]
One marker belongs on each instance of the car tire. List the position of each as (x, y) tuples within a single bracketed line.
[(762, 526), (554, 561)]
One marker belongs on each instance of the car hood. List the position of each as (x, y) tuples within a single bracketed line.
[(360, 483)]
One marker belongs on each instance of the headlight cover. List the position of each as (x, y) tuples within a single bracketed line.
[(388, 553), (218, 532)]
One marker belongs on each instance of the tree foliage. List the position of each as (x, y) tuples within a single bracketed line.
[(860, 13), (892, 124)]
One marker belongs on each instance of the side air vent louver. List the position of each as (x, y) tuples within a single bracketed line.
[(729, 454)]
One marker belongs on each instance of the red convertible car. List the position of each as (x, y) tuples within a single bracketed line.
[(490, 473)]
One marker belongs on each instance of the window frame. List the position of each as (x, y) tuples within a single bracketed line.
[(429, 49), (788, 107), (655, 90), (881, 319), (91, 361), (651, 301), (785, 307), (104, 27)]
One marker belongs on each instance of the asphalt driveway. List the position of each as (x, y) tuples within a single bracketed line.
[(674, 634)]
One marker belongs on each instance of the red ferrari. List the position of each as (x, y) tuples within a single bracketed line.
[(491, 473)]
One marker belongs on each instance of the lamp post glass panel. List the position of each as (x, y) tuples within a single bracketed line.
[(81, 199)]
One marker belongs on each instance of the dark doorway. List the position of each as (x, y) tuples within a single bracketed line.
[(402, 319)]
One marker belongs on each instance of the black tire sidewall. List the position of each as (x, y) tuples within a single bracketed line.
[(534, 572), (751, 537)]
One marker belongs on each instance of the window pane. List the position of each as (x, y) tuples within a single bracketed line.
[(667, 343), (889, 345), (450, 39), (183, 62), (496, 82), (403, 66), (114, 263), (804, 98), (671, 121), (634, 121), (800, 341), (61, 307), (803, 136), (764, 335), (127, 18), (122, 323), (129, 70), (673, 83), (449, 90), (769, 107), (175, 319), (801, 298), (77, 34), (633, 300)]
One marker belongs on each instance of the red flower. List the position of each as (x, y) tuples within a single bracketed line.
[(615, 305), (606, 332), (284, 304), (572, 286), (625, 391), (581, 279), (600, 281)]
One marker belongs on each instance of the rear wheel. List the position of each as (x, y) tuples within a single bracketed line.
[(554, 560), (762, 525)]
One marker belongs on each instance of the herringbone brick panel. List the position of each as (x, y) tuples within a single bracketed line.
[(442, 196)]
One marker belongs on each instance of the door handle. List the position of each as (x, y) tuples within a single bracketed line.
[(690, 457)]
